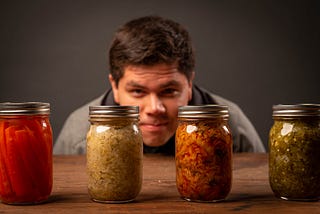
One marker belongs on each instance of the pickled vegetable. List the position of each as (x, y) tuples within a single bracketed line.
[(294, 161), (114, 162), (25, 159), (203, 160)]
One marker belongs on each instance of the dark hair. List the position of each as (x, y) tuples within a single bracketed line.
[(151, 40)]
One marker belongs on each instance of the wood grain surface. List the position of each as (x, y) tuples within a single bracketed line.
[(250, 191)]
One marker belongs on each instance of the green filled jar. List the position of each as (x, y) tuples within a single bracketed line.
[(294, 159)]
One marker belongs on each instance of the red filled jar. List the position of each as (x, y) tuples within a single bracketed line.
[(203, 153), (25, 153)]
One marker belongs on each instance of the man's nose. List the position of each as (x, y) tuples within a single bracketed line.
[(155, 105)]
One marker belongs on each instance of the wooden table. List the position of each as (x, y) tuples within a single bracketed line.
[(250, 192)]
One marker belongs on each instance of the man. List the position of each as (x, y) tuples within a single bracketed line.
[(152, 64)]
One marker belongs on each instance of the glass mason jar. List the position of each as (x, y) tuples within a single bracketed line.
[(203, 153), (25, 153), (114, 154), (294, 159)]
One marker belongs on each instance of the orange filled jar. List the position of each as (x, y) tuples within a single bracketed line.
[(25, 153), (203, 153)]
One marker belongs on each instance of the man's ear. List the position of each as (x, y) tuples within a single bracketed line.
[(114, 88)]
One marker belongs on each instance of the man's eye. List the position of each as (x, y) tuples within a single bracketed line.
[(169, 92), (137, 92)]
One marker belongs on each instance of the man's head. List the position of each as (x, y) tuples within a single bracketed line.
[(152, 66)]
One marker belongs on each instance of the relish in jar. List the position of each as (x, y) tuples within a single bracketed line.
[(294, 159), (114, 154)]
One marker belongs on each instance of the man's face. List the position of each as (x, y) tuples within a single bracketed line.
[(158, 90)]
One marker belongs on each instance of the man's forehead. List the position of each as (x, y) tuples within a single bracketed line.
[(157, 67), (134, 83)]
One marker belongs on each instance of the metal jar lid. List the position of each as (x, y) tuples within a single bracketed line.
[(24, 108), (298, 110), (96, 112), (203, 111)]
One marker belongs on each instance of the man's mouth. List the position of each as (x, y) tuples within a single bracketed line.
[(153, 126)]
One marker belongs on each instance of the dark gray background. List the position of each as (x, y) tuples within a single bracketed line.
[(255, 53)]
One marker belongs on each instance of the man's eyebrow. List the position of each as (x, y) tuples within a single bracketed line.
[(164, 85), (170, 83), (134, 84)]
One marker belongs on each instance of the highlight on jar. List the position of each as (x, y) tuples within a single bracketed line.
[(203, 153), (25, 153), (294, 158)]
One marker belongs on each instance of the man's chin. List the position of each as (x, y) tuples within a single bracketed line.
[(155, 142)]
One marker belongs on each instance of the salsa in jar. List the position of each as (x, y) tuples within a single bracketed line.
[(203, 153), (25, 153), (294, 159)]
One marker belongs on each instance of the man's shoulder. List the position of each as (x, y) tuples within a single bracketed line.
[(237, 116), (84, 109), (71, 139), (217, 99), (245, 136)]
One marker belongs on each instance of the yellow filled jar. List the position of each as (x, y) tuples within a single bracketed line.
[(114, 154), (203, 153), (294, 159)]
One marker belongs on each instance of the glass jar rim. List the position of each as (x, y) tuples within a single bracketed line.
[(203, 111), (296, 110), (24, 108), (113, 111)]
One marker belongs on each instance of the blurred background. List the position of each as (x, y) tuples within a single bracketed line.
[(256, 53)]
